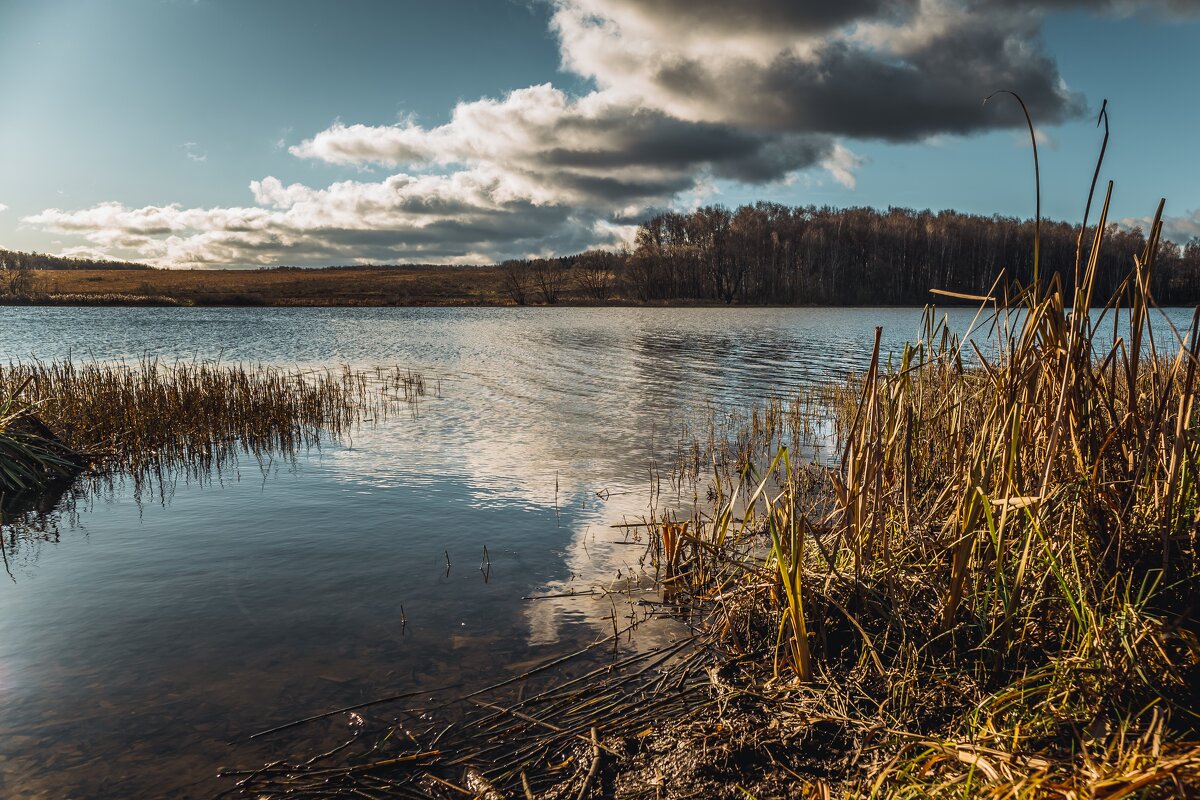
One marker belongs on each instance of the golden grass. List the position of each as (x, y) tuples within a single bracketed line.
[(432, 286), (29, 458), (148, 415), (994, 584)]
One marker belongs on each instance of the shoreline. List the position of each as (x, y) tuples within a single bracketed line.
[(348, 287), (151, 302)]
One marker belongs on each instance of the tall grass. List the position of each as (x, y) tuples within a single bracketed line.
[(149, 414), (998, 576)]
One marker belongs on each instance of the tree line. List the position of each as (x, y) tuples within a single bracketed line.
[(770, 253), (15, 260)]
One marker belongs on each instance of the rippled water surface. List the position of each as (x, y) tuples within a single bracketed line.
[(144, 635)]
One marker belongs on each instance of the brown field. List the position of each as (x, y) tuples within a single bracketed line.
[(411, 286)]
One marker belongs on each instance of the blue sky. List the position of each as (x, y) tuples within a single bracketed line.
[(209, 133)]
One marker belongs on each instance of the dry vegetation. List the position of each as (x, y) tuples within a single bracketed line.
[(58, 418), (992, 593), (426, 286)]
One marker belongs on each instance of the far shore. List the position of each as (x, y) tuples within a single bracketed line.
[(418, 286)]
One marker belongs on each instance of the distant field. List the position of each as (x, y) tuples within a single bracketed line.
[(316, 287)]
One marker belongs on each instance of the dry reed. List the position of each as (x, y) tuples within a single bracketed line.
[(193, 415), (993, 588), (988, 593)]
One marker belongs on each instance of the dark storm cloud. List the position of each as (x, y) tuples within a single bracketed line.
[(906, 72), (795, 16), (1181, 8), (653, 139), (939, 89)]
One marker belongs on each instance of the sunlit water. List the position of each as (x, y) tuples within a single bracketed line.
[(148, 636)]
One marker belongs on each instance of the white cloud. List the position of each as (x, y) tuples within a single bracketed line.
[(1181, 229), (842, 164), (465, 217), (194, 153), (594, 151), (3, 208)]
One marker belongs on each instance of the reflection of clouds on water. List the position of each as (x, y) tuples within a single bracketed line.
[(605, 577), (492, 470), (582, 494)]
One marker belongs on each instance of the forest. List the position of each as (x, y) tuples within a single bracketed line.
[(15, 260), (775, 254)]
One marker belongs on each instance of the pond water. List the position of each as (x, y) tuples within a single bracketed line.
[(144, 635)]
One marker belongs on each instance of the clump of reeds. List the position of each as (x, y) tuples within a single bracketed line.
[(994, 587), (191, 414)]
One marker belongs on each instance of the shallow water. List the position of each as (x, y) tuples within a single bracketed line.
[(141, 634)]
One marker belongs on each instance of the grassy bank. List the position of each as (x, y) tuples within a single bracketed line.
[(326, 287), (406, 286), (993, 592), (330, 287)]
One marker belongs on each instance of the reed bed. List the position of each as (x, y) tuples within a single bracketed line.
[(992, 591), (148, 416), (30, 456)]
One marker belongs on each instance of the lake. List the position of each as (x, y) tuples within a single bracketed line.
[(144, 635)]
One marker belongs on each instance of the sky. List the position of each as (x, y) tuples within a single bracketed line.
[(249, 133)]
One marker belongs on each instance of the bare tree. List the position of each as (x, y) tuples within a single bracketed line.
[(549, 274), (17, 279), (516, 280), (598, 271), (770, 253)]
